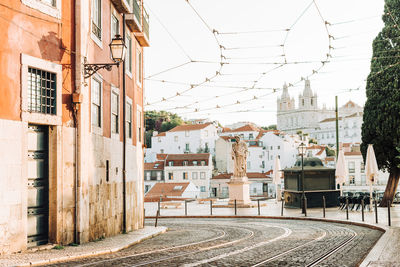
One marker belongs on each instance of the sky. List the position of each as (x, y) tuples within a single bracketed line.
[(261, 44)]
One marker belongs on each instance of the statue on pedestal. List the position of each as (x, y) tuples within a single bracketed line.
[(239, 156), (238, 185)]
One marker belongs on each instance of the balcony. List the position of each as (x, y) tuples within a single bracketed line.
[(134, 20), (122, 6), (143, 37)]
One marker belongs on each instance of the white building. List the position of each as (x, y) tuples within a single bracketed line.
[(195, 168), (263, 147), (260, 184), (188, 138), (349, 129), (153, 173), (307, 117), (356, 179)]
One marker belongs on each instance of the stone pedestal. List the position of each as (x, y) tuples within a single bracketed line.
[(239, 190)]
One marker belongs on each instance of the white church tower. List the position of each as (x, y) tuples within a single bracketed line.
[(285, 106)]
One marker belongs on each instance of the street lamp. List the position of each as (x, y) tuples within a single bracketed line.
[(302, 151), (117, 49)]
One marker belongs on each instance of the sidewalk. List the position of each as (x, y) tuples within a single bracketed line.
[(107, 245), (385, 253)]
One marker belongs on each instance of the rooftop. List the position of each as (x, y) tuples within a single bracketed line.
[(189, 127)]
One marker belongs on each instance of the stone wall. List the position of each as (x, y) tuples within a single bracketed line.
[(13, 187)]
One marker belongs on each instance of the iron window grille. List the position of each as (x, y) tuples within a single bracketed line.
[(42, 91)]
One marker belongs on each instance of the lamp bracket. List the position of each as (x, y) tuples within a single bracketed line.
[(90, 69)]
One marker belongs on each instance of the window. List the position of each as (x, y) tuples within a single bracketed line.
[(177, 187), (186, 133), (162, 151), (114, 112), (139, 125), (42, 96), (187, 148), (194, 175), (278, 147), (363, 179), (138, 67), (203, 163), (114, 26), (159, 139), (96, 18), (176, 138), (272, 148), (263, 164), (170, 163), (96, 102), (148, 175), (49, 7), (362, 167), (158, 176), (202, 189), (248, 165), (185, 176), (251, 136), (351, 179), (351, 167), (185, 163), (171, 176), (206, 149), (128, 56), (129, 120), (206, 133), (147, 188), (202, 175), (194, 162)]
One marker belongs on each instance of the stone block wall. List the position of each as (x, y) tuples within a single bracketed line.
[(13, 187)]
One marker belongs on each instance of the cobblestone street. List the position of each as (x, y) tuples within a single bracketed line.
[(245, 242)]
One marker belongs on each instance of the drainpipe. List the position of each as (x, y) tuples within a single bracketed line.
[(123, 135)]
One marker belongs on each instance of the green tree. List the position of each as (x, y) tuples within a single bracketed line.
[(330, 152), (270, 127), (160, 121), (381, 126)]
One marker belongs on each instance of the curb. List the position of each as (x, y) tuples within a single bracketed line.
[(93, 253), (272, 217)]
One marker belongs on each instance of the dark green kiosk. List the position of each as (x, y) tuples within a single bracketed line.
[(319, 181)]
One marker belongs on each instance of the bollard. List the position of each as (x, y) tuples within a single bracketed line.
[(159, 204), (305, 207), (235, 208), (258, 204), (323, 205), (362, 209), (389, 221), (144, 215), (210, 207), (376, 211), (158, 214), (282, 207), (347, 208), (185, 207)]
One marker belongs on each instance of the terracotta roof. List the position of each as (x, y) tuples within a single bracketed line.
[(158, 165), (346, 144), (357, 114), (161, 134), (315, 147), (250, 175), (320, 152), (331, 119), (178, 159), (189, 127), (161, 156), (354, 153), (246, 128), (350, 104), (329, 159), (167, 189), (226, 129)]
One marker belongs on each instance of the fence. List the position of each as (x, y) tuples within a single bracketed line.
[(348, 210)]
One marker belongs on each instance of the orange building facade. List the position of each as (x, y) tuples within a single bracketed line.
[(71, 160)]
